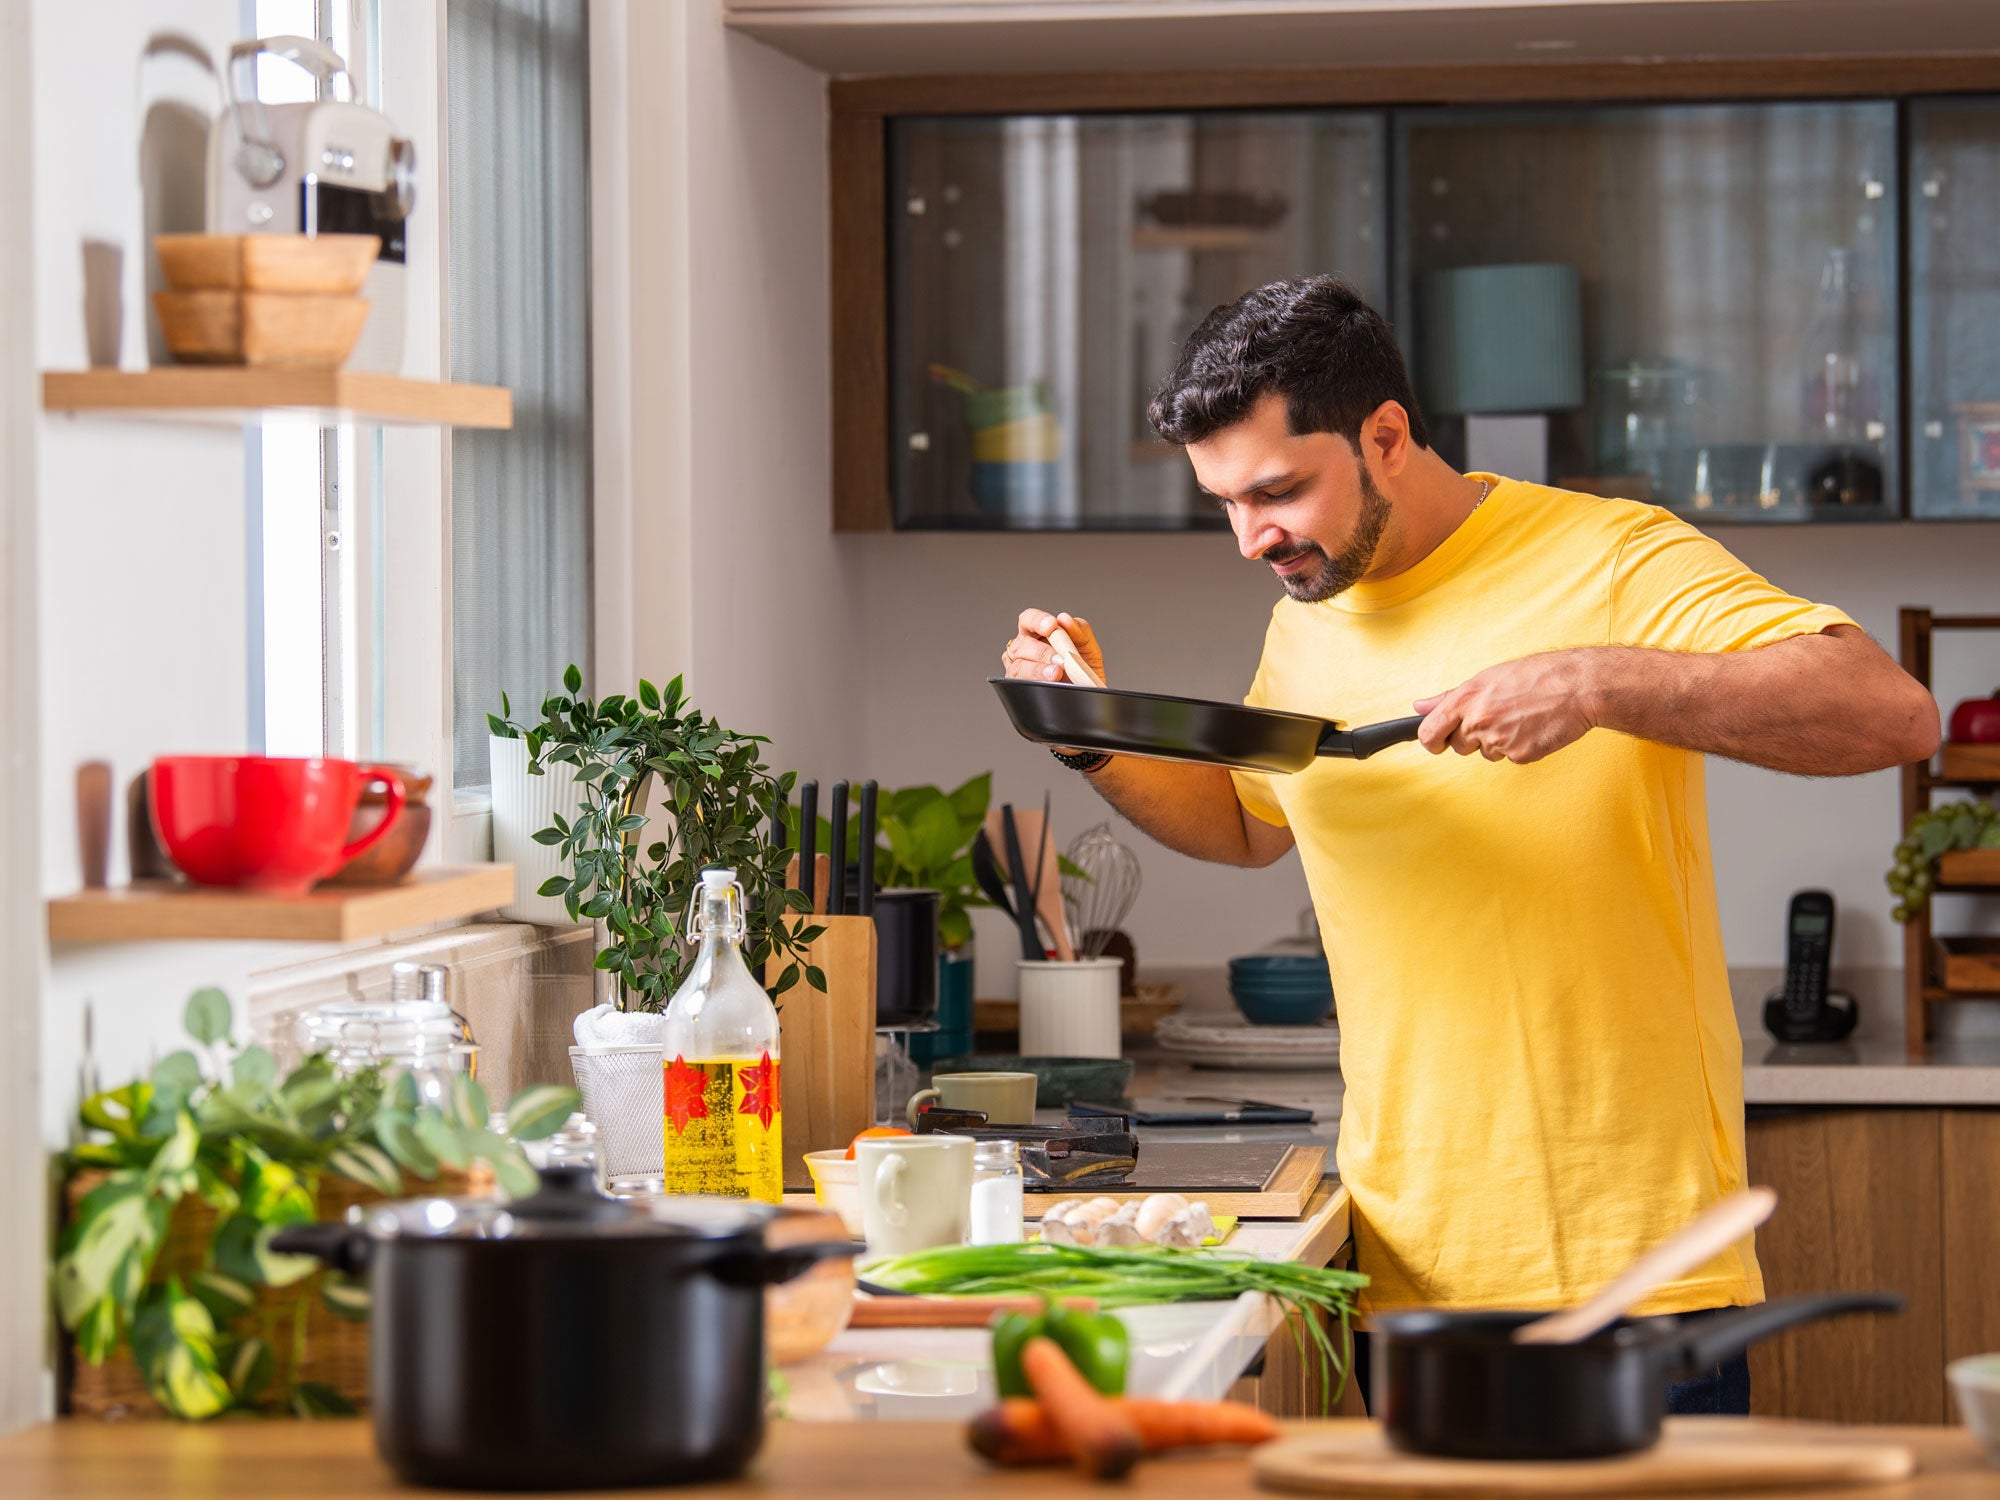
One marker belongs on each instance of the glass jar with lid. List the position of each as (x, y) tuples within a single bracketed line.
[(407, 1033), (996, 1193)]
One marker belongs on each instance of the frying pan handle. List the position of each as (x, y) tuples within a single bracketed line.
[(1361, 743), (1713, 1339)]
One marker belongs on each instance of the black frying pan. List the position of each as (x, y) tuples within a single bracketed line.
[(1455, 1384), (1163, 728)]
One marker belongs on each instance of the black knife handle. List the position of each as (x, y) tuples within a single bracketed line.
[(864, 901), (836, 878), (808, 837)]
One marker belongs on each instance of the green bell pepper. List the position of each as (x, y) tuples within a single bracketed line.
[(1096, 1343)]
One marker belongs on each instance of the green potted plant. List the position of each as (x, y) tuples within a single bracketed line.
[(924, 841), (653, 760), (183, 1177)]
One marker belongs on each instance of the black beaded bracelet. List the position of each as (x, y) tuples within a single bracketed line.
[(1085, 761)]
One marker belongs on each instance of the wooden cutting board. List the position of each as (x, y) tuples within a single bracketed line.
[(1697, 1453), (1252, 1180)]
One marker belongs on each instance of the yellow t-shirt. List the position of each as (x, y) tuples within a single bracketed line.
[(1543, 1070)]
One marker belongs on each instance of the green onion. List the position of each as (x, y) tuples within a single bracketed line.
[(1119, 1276)]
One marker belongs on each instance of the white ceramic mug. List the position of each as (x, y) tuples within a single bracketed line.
[(1069, 1009), (916, 1191)]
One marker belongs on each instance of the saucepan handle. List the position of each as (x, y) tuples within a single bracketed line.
[(1708, 1341), (341, 1246), (770, 1267), (1359, 744)]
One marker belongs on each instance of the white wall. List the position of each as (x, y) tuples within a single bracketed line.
[(731, 573), (142, 613)]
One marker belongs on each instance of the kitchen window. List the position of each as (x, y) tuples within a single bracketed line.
[(518, 164)]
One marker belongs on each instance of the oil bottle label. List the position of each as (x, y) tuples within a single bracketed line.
[(724, 1124)]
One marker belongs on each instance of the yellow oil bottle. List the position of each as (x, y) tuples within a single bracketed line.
[(724, 1120)]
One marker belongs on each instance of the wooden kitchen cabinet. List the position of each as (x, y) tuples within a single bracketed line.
[(1900, 1200), (1858, 1210), (1969, 1151)]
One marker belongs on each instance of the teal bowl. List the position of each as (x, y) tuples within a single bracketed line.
[(1261, 1009)]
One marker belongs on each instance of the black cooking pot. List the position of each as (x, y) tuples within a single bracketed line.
[(1455, 1384), (567, 1340)]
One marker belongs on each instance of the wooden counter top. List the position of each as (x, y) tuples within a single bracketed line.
[(286, 1460)]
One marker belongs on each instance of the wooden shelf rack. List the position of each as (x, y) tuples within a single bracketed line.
[(165, 911), (1961, 767), (243, 395)]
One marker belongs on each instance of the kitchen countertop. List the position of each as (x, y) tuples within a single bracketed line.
[(1185, 1350), (335, 1460), (1870, 1069)]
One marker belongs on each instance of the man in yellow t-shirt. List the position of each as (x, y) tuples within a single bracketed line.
[(1542, 1065)]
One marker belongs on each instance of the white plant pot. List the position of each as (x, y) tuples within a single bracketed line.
[(1069, 1009), (523, 806), (622, 1095)]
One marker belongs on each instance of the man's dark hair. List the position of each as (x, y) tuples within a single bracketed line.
[(1312, 341)]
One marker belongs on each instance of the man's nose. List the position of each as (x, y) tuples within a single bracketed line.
[(1254, 537)]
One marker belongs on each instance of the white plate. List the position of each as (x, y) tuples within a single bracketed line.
[(1235, 1043)]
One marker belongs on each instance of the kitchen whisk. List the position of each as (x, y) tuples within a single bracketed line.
[(1100, 889)]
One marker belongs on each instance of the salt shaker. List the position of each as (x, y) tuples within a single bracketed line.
[(996, 1193)]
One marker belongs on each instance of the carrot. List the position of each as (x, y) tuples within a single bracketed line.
[(1021, 1432), (1098, 1436)]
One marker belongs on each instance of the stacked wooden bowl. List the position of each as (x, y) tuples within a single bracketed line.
[(280, 300)]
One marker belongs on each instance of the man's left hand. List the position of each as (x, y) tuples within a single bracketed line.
[(1519, 711)]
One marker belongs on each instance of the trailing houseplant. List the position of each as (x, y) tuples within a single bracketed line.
[(716, 797), (215, 1123)]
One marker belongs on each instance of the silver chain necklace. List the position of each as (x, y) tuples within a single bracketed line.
[(1485, 489)]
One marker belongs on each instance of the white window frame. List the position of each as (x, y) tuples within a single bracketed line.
[(416, 462)]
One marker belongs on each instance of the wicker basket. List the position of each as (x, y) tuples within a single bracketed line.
[(335, 1349)]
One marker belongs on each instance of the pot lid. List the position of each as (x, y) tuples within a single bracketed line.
[(570, 1206)]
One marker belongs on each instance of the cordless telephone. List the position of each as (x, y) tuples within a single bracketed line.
[(1804, 1009)]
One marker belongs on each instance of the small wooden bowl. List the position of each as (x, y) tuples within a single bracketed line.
[(269, 329), (803, 1316), (393, 858), (327, 265)]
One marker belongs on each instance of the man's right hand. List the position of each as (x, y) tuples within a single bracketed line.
[(1030, 655)]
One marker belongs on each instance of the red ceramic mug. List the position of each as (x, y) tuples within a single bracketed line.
[(264, 823)]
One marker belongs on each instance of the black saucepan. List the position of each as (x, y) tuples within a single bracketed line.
[(567, 1340), (1163, 728), (1455, 1384)]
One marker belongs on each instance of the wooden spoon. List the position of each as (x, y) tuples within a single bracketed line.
[(1073, 664), (1706, 1236)]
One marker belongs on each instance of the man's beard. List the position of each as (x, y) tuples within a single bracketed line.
[(1337, 574)]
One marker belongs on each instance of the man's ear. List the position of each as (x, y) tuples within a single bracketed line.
[(1385, 436)]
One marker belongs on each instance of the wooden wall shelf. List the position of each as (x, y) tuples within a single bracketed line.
[(244, 396), (163, 911), (1928, 972)]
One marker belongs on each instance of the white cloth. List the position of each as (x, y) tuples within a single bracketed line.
[(608, 1026)]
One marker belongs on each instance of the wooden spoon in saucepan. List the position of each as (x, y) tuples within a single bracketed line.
[(1706, 1236), (1073, 664)]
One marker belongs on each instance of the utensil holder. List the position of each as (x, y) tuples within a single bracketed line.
[(624, 1096), (1069, 1009), (826, 1043)]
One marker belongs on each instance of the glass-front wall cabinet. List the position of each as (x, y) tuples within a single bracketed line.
[(1954, 197), (1696, 305), (1725, 275), (1044, 271)]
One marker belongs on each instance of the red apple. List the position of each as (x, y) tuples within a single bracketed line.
[(1976, 721)]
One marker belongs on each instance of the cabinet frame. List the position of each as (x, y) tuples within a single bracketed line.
[(858, 109)]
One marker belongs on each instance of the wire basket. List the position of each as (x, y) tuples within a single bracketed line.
[(621, 1088)]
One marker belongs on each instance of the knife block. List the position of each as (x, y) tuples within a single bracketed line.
[(827, 1043)]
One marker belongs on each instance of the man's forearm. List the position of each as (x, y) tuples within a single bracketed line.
[(1815, 705), (1189, 808)]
